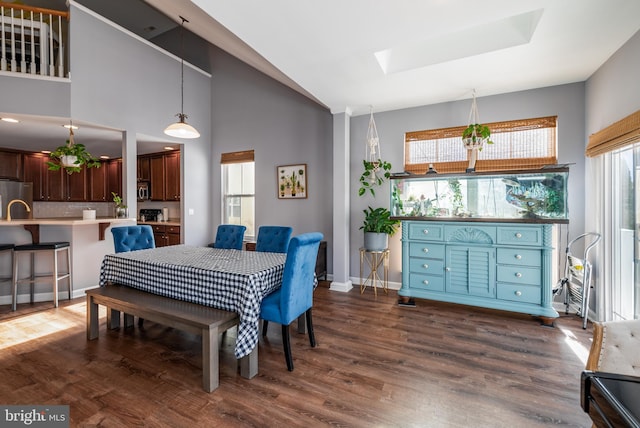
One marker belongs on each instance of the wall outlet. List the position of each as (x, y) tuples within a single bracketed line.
[(192, 211)]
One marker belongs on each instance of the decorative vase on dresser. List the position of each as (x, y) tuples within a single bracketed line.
[(482, 239)]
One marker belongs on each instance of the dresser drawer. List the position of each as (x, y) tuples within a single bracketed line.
[(520, 235), (425, 231), (426, 266), (519, 257), (426, 282), (426, 249), (520, 275), (520, 293)]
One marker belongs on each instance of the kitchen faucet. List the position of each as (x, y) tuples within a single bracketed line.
[(11, 203)]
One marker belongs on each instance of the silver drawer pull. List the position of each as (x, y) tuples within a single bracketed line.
[(518, 275), (518, 293), (518, 235), (425, 282), (426, 231), (518, 256), (426, 250), (426, 266)]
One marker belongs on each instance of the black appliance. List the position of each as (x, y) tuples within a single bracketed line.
[(149, 214)]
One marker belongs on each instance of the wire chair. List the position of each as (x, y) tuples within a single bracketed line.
[(576, 282)]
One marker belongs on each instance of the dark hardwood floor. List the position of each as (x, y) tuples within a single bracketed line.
[(376, 365)]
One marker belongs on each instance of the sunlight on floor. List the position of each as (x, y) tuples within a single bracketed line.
[(37, 325), (578, 349)]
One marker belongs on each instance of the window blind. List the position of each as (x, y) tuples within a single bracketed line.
[(518, 144), (237, 157), (616, 136)]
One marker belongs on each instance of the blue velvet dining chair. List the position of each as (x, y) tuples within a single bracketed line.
[(132, 238), (229, 236), (273, 239), (295, 295)]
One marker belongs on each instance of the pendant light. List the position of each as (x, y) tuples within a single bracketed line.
[(181, 129)]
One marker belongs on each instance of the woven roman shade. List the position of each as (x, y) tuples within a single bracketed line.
[(519, 144), (616, 136), (237, 157)]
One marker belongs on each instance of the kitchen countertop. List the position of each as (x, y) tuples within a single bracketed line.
[(62, 221), (161, 223)]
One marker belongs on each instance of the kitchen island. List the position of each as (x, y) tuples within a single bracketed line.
[(90, 241)]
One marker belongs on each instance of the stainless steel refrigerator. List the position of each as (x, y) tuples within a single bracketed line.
[(10, 190)]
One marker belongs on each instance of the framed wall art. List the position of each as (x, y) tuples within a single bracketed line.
[(292, 181)]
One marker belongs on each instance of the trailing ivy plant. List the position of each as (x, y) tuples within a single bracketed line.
[(482, 132), (369, 179)]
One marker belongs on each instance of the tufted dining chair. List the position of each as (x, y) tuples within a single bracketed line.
[(295, 295), (615, 347), (132, 238), (229, 236), (273, 239)]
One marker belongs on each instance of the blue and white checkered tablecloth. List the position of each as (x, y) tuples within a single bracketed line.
[(226, 279)]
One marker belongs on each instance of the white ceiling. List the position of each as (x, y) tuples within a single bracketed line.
[(356, 54), (433, 50)]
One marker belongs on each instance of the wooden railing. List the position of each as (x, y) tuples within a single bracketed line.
[(32, 40)]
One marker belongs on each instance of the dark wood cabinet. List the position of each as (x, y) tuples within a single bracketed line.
[(165, 177), (172, 176), (35, 171), (76, 186), (10, 165), (165, 235), (114, 178), (144, 168), (98, 184)]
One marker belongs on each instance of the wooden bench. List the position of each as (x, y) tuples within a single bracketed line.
[(191, 317)]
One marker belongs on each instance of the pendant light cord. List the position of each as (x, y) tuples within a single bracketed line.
[(182, 115)]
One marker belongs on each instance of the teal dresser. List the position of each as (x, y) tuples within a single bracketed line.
[(505, 266)]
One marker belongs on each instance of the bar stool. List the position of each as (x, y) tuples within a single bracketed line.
[(55, 248), (8, 248)]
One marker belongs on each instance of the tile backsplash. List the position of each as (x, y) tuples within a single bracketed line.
[(71, 209)]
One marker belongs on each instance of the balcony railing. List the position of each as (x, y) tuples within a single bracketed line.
[(33, 40)]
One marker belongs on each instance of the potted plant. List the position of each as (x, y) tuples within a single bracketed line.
[(473, 137), (121, 208), (378, 226), (370, 178), (72, 157)]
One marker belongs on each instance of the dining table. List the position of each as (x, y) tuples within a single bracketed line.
[(232, 280)]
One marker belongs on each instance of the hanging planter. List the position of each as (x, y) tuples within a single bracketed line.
[(72, 157), (475, 136)]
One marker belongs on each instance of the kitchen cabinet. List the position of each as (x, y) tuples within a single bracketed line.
[(75, 186), (496, 265), (165, 177), (48, 186), (98, 184), (143, 171), (10, 165), (114, 177), (165, 235)]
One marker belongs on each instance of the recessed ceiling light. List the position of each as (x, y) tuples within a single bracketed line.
[(104, 157), (10, 120), (46, 152), (169, 148), (70, 126)]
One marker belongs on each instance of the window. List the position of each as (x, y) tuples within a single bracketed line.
[(518, 144), (238, 190)]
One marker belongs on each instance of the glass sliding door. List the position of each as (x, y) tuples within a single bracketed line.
[(626, 233)]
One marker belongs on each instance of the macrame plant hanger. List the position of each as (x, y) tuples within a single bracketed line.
[(474, 142), (372, 149)]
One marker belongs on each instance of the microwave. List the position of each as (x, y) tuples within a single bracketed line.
[(143, 191)]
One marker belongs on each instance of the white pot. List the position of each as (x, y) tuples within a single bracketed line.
[(69, 160), (470, 144)]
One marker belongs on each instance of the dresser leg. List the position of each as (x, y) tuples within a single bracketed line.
[(547, 321)]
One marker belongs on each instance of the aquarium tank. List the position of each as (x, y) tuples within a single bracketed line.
[(530, 194)]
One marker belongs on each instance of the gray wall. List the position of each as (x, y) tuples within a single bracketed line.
[(123, 82), (252, 111), (566, 102)]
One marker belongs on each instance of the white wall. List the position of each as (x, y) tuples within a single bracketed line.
[(566, 102)]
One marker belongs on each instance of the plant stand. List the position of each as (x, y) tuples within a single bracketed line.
[(374, 260)]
